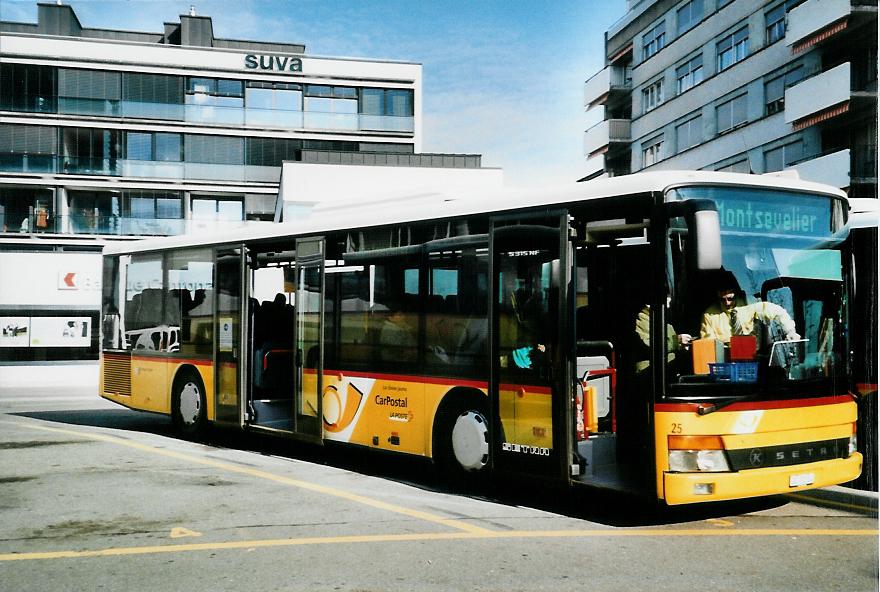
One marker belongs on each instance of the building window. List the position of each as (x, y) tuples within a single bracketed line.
[(151, 213), (774, 90), (331, 107), (274, 104), (689, 74), (89, 92), (28, 148), (28, 88), (386, 109), (165, 205), (689, 15), (652, 96), (654, 40), (214, 87), (213, 100), (740, 166), (24, 209), (782, 157), (775, 24), (271, 151), (91, 151), (219, 209), (94, 212), (214, 149), (688, 134), (731, 114), (152, 96), (733, 48), (651, 152), (158, 146)]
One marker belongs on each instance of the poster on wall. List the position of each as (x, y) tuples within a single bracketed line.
[(15, 331), (61, 332)]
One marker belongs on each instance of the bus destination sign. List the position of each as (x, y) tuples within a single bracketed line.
[(801, 217)]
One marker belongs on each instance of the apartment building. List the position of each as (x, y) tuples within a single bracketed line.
[(739, 85), (751, 86)]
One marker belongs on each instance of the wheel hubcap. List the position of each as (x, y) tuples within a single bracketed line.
[(470, 441), (190, 403)]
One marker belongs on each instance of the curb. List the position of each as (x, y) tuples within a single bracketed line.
[(841, 498)]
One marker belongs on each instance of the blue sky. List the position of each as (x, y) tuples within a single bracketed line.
[(503, 79)]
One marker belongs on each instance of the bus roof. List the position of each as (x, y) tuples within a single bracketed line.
[(440, 205)]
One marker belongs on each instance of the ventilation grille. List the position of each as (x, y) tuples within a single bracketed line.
[(117, 374)]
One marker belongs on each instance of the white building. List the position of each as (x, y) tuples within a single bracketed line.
[(109, 135)]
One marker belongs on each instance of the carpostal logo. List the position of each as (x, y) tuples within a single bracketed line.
[(391, 401), (274, 63)]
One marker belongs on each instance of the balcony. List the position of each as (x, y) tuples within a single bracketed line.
[(595, 167), (817, 94), (812, 17), (610, 80), (144, 169), (831, 169), (605, 134), (103, 225)]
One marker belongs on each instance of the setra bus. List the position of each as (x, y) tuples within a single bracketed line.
[(543, 334)]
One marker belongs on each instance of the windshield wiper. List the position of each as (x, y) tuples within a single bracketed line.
[(713, 407)]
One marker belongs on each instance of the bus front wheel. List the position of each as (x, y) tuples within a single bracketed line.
[(189, 408), (461, 442)]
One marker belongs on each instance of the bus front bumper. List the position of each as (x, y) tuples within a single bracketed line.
[(684, 488)]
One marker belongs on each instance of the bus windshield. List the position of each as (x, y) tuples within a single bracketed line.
[(773, 315)]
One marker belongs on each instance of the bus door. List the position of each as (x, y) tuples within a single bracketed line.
[(309, 342), (530, 376), (229, 349)]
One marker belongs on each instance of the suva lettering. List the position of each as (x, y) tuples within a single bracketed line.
[(390, 401), (268, 62)]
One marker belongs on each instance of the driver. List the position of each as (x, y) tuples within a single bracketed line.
[(730, 316)]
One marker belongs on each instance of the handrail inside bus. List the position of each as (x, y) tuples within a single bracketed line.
[(386, 253)]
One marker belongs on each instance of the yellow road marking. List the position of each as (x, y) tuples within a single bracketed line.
[(352, 497), (179, 532), (434, 536), (827, 502), (719, 522)]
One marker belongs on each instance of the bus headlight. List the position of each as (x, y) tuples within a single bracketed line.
[(693, 461), (697, 454)]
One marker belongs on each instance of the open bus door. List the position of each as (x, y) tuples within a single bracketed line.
[(530, 380), (229, 347), (309, 339)]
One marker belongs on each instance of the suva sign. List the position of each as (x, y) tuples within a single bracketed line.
[(269, 62)]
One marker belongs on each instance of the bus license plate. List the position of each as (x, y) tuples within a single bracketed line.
[(801, 479)]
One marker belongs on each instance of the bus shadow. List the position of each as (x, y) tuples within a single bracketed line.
[(122, 419), (599, 506)]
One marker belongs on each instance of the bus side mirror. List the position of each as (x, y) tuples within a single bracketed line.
[(704, 227), (707, 234)]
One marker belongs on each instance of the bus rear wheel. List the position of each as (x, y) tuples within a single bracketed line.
[(189, 408), (461, 443)]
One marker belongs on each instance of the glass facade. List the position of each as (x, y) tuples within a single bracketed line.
[(97, 148), (216, 101)]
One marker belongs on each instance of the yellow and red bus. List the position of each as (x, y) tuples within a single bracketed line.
[(538, 334)]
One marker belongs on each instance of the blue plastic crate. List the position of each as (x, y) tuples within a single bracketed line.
[(745, 372), (720, 371), (734, 372)]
